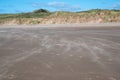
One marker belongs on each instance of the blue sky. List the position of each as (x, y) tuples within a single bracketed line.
[(18, 6)]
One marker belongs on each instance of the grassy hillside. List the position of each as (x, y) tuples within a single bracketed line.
[(42, 16)]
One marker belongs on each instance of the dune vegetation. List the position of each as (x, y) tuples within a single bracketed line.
[(43, 16)]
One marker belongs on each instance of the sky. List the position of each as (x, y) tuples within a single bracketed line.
[(20, 6)]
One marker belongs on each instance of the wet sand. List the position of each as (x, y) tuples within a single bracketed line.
[(56, 53)]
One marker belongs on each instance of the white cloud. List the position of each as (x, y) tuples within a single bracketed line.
[(116, 6), (35, 4), (56, 4), (63, 6)]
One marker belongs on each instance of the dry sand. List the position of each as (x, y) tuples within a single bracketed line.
[(56, 53)]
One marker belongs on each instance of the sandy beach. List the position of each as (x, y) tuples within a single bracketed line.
[(60, 52)]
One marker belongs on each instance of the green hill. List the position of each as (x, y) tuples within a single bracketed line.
[(43, 16)]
